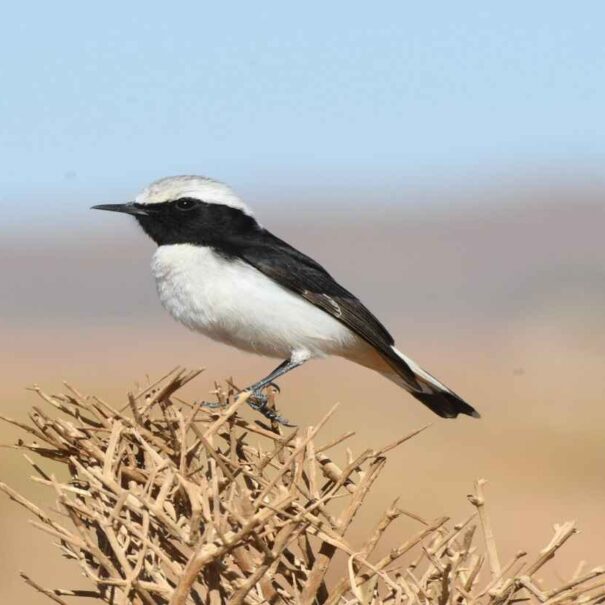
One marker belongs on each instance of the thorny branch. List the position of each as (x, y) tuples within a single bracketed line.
[(169, 503)]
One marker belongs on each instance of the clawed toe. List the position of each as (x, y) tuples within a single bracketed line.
[(212, 405), (258, 401), (275, 386), (272, 415), (275, 417)]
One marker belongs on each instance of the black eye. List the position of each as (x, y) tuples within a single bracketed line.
[(185, 203)]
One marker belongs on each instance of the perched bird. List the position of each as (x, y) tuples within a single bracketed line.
[(219, 272)]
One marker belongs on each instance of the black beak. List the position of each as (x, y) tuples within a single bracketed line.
[(130, 208)]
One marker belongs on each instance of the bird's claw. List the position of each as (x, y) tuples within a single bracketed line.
[(212, 405), (258, 401), (275, 386)]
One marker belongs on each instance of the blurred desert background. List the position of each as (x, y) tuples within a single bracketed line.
[(444, 161), (500, 294)]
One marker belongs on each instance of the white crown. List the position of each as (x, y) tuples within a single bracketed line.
[(198, 187)]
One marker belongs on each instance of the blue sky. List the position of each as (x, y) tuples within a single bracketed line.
[(99, 98)]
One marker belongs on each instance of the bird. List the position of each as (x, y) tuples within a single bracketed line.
[(219, 272)]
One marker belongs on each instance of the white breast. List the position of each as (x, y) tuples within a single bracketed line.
[(232, 302)]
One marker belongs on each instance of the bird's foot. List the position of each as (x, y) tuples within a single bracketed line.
[(259, 401), (212, 405), (275, 386)]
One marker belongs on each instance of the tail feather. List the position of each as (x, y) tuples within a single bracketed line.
[(435, 395), (446, 404)]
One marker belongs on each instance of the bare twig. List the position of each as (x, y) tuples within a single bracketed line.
[(169, 503)]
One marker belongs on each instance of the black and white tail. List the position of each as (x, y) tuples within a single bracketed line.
[(427, 389)]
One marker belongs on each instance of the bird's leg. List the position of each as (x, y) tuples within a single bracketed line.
[(279, 371), (259, 399)]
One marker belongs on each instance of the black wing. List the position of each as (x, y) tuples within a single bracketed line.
[(299, 273)]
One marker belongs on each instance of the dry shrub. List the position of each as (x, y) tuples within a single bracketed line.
[(165, 502)]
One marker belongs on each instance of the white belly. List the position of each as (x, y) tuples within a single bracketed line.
[(232, 302)]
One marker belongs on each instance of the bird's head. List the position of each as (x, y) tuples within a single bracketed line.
[(187, 210)]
